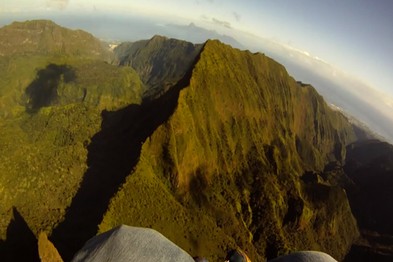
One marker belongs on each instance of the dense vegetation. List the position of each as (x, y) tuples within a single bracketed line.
[(50, 107), (214, 147)]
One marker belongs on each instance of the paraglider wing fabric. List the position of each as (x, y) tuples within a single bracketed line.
[(125, 243)]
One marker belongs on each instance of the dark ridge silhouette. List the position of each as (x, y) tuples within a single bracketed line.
[(369, 164), (361, 134), (43, 90), (20, 243), (361, 253), (112, 155)]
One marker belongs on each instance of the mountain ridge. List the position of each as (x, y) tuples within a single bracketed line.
[(183, 158), (46, 37)]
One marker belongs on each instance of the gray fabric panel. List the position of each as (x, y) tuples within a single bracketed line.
[(126, 243), (305, 256)]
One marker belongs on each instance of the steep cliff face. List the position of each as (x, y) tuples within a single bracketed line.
[(225, 168)]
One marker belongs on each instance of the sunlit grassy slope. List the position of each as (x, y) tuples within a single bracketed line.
[(226, 168)]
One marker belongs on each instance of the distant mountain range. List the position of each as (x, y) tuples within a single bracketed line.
[(214, 147), (197, 34)]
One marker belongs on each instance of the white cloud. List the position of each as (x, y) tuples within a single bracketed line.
[(57, 4), (222, 23)]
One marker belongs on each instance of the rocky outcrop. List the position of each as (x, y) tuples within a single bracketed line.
[(46, 250)]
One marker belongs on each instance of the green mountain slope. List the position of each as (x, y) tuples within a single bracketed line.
[(46, 37), (50, 107), (225, 169)]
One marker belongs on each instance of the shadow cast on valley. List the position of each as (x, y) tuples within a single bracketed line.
[(112, 155), (21, 243), (43, 90), (369, 165)]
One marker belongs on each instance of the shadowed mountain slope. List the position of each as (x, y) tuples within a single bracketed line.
[(370, 166), (160, 62)]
